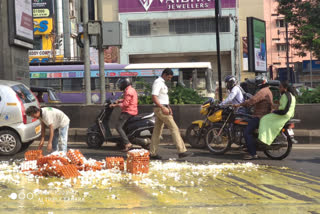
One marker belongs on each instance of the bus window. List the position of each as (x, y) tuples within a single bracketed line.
[(72, 84), (187, 77), (53, 83), (201, 79), (113, 84)]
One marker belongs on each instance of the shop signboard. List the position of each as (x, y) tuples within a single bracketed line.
[(42, 26), (128, 6), (42, 8)]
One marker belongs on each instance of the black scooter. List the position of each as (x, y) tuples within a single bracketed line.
[(138, 129)]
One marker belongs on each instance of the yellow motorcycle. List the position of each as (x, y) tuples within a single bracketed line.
[(196, 132)]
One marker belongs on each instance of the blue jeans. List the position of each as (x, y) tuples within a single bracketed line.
[(62, 135), (253, 124)]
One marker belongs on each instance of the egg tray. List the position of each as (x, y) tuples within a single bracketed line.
[(136, 167), (76, 157), (115, 163), (33, 155)]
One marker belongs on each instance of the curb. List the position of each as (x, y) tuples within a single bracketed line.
[(302, 135)]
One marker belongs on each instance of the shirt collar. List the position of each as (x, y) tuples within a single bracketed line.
[(127, 88), (161, 79)]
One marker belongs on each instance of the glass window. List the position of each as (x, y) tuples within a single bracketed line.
[(72, 84), (200, 25), (224, 24), (53, 83), (280, 23), (24, 94), (114, 83), (37, 42), (281, 47), (139, 28)]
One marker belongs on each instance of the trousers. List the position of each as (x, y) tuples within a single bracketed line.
[(161, 120)]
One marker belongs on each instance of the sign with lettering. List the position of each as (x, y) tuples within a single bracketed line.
[(42, 8), (127, 6), (40, 52), (95, 73), (42, 26)]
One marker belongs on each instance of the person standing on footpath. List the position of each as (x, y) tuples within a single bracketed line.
[(163, 114), (58, 124)]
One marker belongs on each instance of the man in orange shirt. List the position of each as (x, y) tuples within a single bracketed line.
[(129, 108)]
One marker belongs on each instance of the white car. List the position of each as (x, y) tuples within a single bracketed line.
[(17, 130)]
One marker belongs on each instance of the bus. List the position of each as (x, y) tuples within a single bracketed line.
[(68, 80)]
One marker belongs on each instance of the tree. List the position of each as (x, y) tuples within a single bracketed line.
[(304, 16)]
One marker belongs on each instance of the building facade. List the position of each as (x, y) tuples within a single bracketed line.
[(275, 42), (177, 31), (55, 31), (277, 48)]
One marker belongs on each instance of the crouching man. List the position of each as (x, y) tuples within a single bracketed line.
[(58, 124)]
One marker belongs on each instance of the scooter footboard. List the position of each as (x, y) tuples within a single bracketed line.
[(141, 141)]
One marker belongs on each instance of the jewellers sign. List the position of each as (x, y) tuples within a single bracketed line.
[(127, 6)]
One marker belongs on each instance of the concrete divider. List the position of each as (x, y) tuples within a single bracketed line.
[(83, 116)]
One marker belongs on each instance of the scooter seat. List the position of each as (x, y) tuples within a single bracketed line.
[(293, 121), (141, 117)]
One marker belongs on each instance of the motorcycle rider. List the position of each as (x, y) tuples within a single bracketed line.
[(235, 96), (262, 102), (129, 108), (271, 124)]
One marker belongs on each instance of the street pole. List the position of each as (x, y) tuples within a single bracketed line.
[(287, 53), (217, 6), (236, 48), (87, 75), (66, 30), (101, 58), (311, 69)]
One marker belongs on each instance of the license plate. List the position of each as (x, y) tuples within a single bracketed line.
[(290, 132), (38, 129)]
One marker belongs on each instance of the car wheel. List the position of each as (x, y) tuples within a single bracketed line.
[(10, 142)]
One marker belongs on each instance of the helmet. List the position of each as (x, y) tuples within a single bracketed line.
[(261, 81), (124, 83), (231, 81)]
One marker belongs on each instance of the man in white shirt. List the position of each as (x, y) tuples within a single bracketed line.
[(58, 124), (235, 96), (164, 116)]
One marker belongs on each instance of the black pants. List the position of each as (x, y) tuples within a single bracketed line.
[(253, 124), (119, 126)]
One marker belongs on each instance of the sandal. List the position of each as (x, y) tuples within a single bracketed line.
[(127, 147), (250, 157)]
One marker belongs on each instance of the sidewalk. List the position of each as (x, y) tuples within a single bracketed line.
[(303, 136)]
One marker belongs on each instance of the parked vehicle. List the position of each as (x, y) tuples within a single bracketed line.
[(48, 92), (138, 129), (17, 130), (196, 132), (231, 128)]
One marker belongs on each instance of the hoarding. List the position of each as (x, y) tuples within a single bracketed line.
[(127, 6), (315, 65), (244, 53), (257, 45), (42, 8), (95, 73), (42, 26), (20, 23)]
